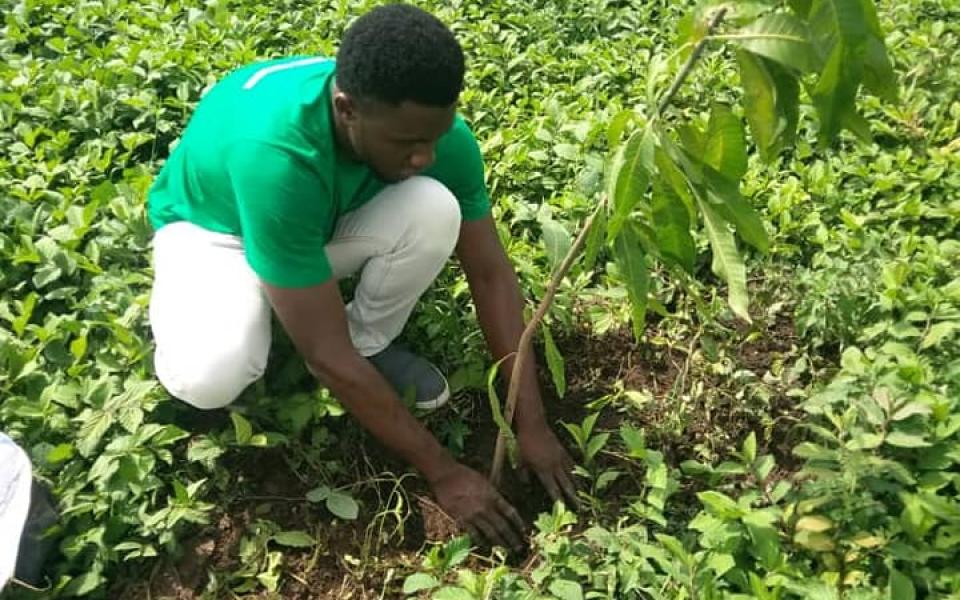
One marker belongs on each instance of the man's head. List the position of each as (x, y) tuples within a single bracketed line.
[(398, 76)]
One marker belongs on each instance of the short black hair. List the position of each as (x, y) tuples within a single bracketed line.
[(397, 53)]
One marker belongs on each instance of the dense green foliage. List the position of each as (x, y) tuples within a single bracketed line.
[(861, 257)]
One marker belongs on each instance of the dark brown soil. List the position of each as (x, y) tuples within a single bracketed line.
[(350, 562)]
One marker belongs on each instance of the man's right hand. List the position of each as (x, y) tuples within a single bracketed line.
[(476, 505)]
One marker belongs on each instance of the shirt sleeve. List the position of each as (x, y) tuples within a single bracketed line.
[(460, 168), (286, 216)]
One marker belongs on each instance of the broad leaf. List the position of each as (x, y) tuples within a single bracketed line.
[(595, 239), (878, 75), (771, 99), (835, 93), (780, 37), (901, 587), (671, 224), (295, 539), (736, 210), (419, 582), (342, 505), (629, 177), (632, 263), (727, 262), (554, 362), (556, 240), (725, 149)]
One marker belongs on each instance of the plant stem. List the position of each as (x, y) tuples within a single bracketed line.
[(692, 60), (526, 339)]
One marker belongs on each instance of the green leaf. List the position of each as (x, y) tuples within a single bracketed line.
[(419, 582), (629, 177), (241, 428), (939, 332), (453, 593), (671, 224), (726, 260), (906, 440), (878, 74), (295, 539), (814, 523), (497, 413), (342, 505), (720, 504), (721, 563), (780, 37), (730, 204), (901, 586), (750, 448), (318, 494), (564, 589), (770, 98), (554, 362), (556, 240), (595, 239), (632, 264), (765, 543), (726, 149), (812, 540)]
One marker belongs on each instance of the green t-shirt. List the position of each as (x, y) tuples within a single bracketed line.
[(258, 160)]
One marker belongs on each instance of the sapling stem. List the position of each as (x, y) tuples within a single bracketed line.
[(526, 338)]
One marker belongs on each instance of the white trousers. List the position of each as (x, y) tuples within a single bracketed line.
[(211, 319)]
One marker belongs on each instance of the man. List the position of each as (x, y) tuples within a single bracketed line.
[(297, 172)]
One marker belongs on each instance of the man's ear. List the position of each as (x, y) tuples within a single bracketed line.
[(345, 106)]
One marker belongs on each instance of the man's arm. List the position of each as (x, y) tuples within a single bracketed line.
[(496, 293), (316, 321)]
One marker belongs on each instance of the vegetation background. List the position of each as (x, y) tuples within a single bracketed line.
[(813, 452)]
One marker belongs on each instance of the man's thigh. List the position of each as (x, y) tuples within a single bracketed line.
[(209, 316)]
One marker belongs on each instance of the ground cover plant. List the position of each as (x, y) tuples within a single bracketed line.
[(810, 452)]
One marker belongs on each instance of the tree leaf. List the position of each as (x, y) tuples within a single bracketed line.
[(771, 103), (556, 240), (595, 239), (735, 209), (632, 264), (814, 523), (629, 177), (342, 505), (725, 149), (939, 332), (726, 260), (295, 539), (554, 362), (564, 589), (419, 582), (671, 224), (781, 37), (906, 440), (318, 494), (878, 74), (720, 504), (241, 428), (901, 586)]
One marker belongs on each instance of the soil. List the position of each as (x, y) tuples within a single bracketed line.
[(350, 562)]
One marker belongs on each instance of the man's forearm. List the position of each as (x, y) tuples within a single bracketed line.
[(372, 402), (500, 310)]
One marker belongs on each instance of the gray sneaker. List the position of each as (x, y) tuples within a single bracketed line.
[(412, 375)]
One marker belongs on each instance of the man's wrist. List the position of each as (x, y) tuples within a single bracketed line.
[(437, 467)]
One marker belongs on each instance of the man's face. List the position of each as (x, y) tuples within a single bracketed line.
[(396, 142)]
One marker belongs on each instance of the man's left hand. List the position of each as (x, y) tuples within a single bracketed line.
[(541, 452)]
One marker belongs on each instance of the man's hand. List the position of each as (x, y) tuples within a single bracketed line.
[(541, 452), (469, 498)]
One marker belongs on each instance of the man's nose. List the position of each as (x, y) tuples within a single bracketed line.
[(422, 158)]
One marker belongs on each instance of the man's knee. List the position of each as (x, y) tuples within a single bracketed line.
[(210, 384), (436, 213)]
